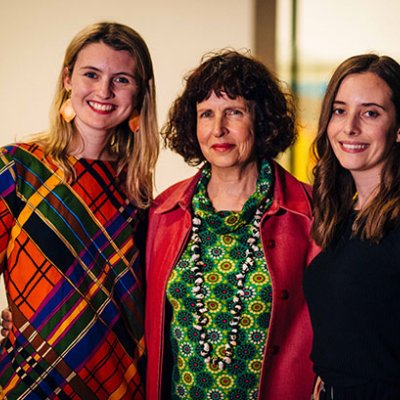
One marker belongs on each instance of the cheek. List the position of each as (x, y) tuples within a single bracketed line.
[(248, 140), (330, 129), (201, 137), (330, 136), (78, 90)]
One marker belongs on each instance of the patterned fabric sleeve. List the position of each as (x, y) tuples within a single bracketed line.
[(8, 202)]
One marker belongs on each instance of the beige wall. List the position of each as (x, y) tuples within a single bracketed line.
[(34, 34)]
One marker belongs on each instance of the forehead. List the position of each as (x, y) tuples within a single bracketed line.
[(366, 87), (102, 56), (222, 99)]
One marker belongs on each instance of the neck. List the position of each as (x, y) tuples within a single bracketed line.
[(367, 187), (90, 147), (229, 189)]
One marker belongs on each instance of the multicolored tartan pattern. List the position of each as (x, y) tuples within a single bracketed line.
[(73, 279)]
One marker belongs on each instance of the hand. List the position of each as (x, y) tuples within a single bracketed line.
[(318, 387), (6, 322)]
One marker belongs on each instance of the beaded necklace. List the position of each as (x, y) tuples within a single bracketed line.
[(201, 310)]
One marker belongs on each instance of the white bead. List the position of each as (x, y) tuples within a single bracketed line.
[(201, 309)]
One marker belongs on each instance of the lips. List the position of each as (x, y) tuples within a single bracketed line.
[(100, 107), (222, 146)]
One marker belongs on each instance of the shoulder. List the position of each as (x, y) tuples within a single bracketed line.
[(179, 194), (18, 150), (290, 193)]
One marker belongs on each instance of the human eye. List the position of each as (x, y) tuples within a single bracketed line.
[(205, 114), (90, 74), (337, 111), (234, 112), (122, 80), (371, 114)]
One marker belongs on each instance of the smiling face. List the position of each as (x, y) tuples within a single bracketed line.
[(225, 131), (363, 124), (103, 88)]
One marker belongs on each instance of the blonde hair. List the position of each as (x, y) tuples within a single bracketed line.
[(136, 154)]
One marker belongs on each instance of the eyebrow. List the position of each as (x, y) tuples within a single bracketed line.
[(225, 108), (371, 104)]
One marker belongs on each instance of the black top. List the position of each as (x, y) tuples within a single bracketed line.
[(353, 293)]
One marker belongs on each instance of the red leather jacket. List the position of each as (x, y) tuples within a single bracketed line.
[(287, 369)]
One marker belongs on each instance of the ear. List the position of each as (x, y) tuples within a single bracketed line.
[(67, 79), (398, 135)]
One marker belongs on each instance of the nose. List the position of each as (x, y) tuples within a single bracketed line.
[(219, 126), (105, 89), (351, 125)]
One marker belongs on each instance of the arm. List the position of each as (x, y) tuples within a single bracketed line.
[(8, 203)]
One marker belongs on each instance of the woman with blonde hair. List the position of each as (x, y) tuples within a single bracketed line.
[(72, 203), (352, 286)]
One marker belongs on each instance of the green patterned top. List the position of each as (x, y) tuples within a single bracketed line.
[(223, 235)]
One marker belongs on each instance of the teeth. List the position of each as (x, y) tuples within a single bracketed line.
[(100, 107), (354, 146)]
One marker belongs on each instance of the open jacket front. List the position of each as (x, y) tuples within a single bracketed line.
[(287, 369)]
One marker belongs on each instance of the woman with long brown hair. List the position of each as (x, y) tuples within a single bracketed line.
[(352, 286)]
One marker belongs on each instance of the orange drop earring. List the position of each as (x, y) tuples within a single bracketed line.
[(134, 122), (67, 111)]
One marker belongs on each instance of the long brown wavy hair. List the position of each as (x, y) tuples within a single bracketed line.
[(334, 188), (235, 74), (136, 154)]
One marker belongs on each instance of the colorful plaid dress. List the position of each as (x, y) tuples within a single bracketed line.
[(72, 271)]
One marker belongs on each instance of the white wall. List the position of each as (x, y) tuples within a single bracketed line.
[(34, 35)]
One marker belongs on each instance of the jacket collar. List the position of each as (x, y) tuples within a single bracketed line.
[(289, 194), (178, 195)]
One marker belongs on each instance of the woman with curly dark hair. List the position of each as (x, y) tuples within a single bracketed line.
[(225, 312), (352, 287)]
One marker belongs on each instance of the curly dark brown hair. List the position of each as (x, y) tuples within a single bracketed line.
[(236, 75)]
